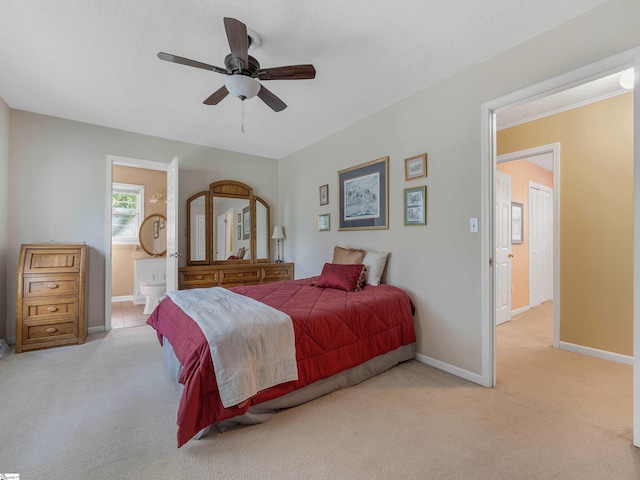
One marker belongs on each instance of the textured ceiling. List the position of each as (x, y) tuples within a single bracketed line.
[(95, 61)]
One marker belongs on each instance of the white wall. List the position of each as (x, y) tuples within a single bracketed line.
[(439, 265), (4, 195), (58, 187)]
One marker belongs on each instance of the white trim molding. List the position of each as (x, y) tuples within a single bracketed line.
[(122, 298), (520, 310), (594, 352), (458, 372)]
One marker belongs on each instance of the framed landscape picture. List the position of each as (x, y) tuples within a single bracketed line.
[(364, 200)]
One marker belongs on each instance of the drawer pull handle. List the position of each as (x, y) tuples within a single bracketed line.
[(52, 309), (199, 277), (241, 274), (51, 330), (52, 285), (276, 273)]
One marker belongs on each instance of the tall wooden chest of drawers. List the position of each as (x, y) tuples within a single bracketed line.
[(50, 296)]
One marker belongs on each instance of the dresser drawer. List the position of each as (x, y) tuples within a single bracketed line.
[(52, 260), (50, 308), (196, 279), (240, 276), (36, 332), (51, 285), (276, 274)]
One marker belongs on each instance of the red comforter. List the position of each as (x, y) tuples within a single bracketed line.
[(334, 331)]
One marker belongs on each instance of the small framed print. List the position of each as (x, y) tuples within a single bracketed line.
[(239, 231), (324, 195), (324, 222), (246, 223), (240, 218), (415, 167), (415, 206)]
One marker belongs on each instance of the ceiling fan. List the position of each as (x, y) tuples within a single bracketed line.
[(242, 70)]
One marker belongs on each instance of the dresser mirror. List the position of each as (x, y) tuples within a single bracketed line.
[(153, 235), (198, 228), (235, 227)]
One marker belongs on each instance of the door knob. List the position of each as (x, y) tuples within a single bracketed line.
[(511, 255)]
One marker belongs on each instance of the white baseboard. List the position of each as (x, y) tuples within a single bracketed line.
[(122, 298), (520, 310), (458, 372), (594, 352)]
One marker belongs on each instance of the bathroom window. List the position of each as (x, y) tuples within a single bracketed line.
[(127, 213)]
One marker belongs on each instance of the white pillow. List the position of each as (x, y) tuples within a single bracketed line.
[(375, 263)]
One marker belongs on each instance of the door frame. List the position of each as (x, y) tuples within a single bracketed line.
[(554, 149), (126, 162), (610, 65)]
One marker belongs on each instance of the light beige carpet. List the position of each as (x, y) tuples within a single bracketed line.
[(106, 410)]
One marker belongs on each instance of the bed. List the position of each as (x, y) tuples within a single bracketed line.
[(341, 338)]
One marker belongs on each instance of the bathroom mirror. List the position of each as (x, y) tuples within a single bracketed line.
[(198, 228), (153, 235)]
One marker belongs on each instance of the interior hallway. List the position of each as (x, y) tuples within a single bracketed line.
[(566, 384)]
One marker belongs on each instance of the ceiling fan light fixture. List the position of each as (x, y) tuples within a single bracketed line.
[(627, 79), (242, 86)]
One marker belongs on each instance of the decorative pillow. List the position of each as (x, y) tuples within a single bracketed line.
[(341, 276), (347, 256), (375, 263)]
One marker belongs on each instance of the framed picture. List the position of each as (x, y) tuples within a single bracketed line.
[(364, 200), (415, 167), (156, 229), (239, 231), (240, 218), (415, 206), (517, 222), (324, 194), (246, 223), (324, 222)]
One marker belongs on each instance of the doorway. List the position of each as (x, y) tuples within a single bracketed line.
[(122, 306), (488, 138)]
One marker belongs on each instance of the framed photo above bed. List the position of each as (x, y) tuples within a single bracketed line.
[(324, 223), (415, 206), (364, 199), (324, 195), (415, 167)]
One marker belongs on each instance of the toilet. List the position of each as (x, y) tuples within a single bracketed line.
[(152, 292)]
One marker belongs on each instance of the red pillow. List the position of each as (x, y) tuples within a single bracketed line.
[(341, 277)]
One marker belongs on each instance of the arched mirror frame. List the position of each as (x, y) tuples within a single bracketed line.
[(233, 189), (156, 217), (207, 228), (230, 189), (257, 200)]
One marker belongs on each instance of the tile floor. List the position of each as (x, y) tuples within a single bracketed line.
[(126, 314)]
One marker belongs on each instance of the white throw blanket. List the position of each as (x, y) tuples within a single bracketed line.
[(252, 344)]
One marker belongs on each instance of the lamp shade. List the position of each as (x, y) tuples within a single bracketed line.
[(278, 233), (242, 86)]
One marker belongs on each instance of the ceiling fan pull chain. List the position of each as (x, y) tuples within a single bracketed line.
[(242, 127)]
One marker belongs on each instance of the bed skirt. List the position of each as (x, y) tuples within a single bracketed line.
[(264, 411)]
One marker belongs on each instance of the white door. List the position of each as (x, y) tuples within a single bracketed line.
[(540, 244), (503, 247), (200, 244), (221, 248), (172, 225)]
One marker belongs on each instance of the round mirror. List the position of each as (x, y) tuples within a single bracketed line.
[(153, 235)]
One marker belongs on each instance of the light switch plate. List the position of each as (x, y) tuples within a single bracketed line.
[(473, 225)]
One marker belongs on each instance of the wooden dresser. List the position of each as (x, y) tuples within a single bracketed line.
[(50, 296), (233, 274)]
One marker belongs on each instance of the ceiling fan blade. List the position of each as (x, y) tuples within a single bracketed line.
[(271, 100), (238, 39), (217, 96), (292, 72), (190, 63)]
